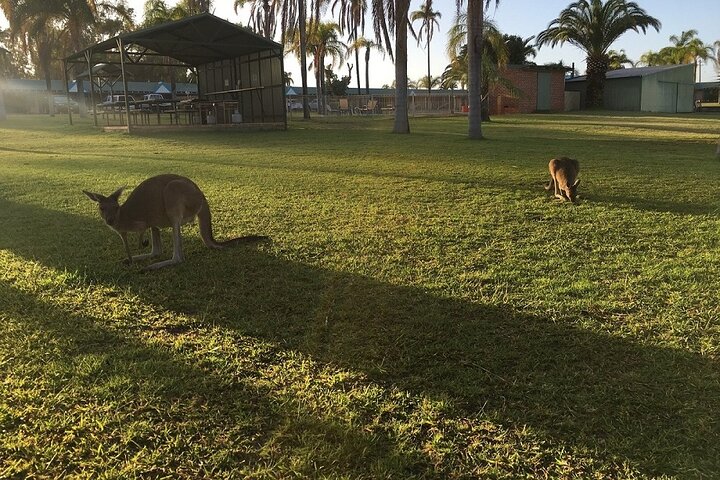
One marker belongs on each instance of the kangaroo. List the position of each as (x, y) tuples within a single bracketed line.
[(563, 178), (166, 200)]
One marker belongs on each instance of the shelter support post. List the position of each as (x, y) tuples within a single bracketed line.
[(88, 58), (67, 92), (124, 80)]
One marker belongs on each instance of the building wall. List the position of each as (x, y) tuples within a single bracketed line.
[(525, 79), (623, 94), (669, 91), (250, 84)]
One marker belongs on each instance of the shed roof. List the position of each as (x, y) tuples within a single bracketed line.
[(630, 72), (195, 40)]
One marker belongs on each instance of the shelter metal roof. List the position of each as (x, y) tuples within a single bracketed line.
[(195, 40), (630, 72)]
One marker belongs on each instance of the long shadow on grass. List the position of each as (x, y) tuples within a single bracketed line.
[(156, 412), (656, 204), (655, 407)]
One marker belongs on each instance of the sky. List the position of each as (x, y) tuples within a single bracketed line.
[(524, 18)]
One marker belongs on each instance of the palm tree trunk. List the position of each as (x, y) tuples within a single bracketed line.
[(367, 71), (45, 59), (303, 57), (474, 33), (357, 59), (428, 77), (597, 67), (402, 124)]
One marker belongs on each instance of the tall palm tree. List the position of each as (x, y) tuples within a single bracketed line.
[(494, 59), (32, 23), (593, 26), (322, 42), (429, 20), (475, 17), (689, 48), (368, 45), (400, 28), (262, 16), (493, 56), (352, 19), (715, 57)]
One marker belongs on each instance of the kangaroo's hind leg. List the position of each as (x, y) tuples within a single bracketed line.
[(177, 249), (156, 246)]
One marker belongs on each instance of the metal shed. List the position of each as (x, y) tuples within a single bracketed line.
[(239, 73), (666, 89)]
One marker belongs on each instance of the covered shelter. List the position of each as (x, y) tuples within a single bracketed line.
[(664, 88), (239, 73)]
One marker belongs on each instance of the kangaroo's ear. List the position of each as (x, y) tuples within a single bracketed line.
[(95, 197), (577, 182), (116, 194)]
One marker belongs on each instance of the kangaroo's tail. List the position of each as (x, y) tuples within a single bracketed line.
[(205, 223), (550, 185)]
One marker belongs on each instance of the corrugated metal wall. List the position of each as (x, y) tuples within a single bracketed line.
[(623, 94), (669, 91)]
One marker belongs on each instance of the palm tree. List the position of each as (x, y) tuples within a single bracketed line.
[(519, 49), (352, 18), (157, 12), (193, 7), (32, 23), (322, 42), (494, 59), (716, 59), (423, 82), (494, 55), (689, 48), (368, 45), (400, 27), (651, 58), (262, 16), (475, 18), (593, 26), (618, 60), (429, 19)]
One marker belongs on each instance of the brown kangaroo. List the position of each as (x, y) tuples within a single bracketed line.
[(166, 200), (563, 178)]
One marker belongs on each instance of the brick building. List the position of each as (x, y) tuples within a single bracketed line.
[(539, 88)]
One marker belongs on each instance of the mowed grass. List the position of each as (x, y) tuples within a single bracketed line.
[(425, 310)]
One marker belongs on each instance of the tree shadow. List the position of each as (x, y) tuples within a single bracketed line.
[(152, 403), (656, 205), (654, 407)]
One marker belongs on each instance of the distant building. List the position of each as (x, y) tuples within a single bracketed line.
[(30, 95), (538, 88), (708, 92), (662, 89)]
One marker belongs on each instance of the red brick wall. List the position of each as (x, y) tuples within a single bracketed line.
[(525, 79)]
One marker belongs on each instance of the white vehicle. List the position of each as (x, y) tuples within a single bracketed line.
[(112, 101)]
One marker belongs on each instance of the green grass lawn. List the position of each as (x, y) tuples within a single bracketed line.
[(425, 310)]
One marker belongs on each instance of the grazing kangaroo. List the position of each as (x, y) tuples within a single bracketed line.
[(162, 201), (563, 178)]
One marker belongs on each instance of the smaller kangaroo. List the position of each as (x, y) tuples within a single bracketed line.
[(166, 200), (563, 178)]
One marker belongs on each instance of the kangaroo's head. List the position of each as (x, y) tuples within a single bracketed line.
[(108, 206), (570, 191)]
